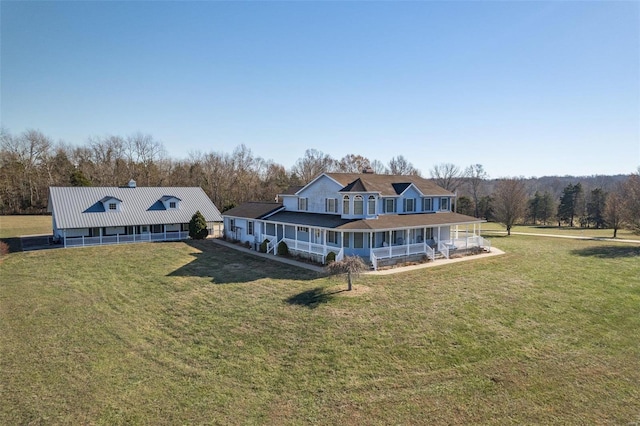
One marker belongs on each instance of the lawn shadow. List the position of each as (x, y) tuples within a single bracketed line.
[(227, 266), (312, 298), (608, 252)]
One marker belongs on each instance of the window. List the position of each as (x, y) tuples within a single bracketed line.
[(444, 203), (358, 240), (410, 205), (331, 205), (358, 205), (427, 205), (303, 229), (232, 224), (389, 205), (172, 205), (250, 227), (144, 229), (157, 229), (332, 237), (371, 205), (429, 234), (302, 204), (112, 206), (345, 205), (346, 238)]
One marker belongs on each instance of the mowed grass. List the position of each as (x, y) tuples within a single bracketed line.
[(15, 226), (179, 333), (623, 234)]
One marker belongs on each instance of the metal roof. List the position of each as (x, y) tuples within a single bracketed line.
[(81, 207)]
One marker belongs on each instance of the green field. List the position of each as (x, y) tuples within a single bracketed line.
[(623, 234), (184, 333), (15, 226)]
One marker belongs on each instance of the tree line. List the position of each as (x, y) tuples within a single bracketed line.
[(31, 162)]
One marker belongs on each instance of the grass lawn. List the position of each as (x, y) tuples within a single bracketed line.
[(15, 226), (623, 234), (178, 333)]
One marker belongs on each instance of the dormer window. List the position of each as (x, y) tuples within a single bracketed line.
[(170, 202), (409, 205), (345, 204), (111, 204), (427, 204)]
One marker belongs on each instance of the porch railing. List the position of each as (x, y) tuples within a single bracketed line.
[(313, 248), (390, 252), (446, 246), (124, 239)]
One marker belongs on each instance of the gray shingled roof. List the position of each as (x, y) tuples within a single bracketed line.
[(253, 209), (80, 207)]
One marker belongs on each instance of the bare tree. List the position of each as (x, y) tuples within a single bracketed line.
[(401, 166), (447, 175), (614, 209), (352, 163), (312, 164), (379, 168), (475, 177), (351, 266), (509, 202)]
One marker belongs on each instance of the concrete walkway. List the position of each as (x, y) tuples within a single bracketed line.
[(439, 262), (494, 252), (571, 237)]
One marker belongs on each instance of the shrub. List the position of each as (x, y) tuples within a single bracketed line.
[(247, 244), (283, 250), (198, 227), (331, 257), (263, 246)]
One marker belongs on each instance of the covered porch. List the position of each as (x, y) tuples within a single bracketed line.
[(377, 246)]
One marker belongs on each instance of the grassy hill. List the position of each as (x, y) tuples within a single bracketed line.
[(179, 333)]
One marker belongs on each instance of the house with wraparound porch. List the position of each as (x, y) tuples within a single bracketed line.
[(381, 218)]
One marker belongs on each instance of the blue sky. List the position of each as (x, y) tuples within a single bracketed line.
[(524, 88)]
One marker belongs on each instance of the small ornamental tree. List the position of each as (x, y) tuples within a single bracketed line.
[(198, 227), (351, 266)]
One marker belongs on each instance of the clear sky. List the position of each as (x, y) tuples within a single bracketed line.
[(525, 88)]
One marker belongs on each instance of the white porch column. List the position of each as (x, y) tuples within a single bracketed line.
[(325, 249), (164, 227), (64, 237), (100, 236)]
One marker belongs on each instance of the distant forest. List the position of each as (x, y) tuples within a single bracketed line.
[(31, 162)]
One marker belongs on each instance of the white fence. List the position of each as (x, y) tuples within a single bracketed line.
[(124, 239)]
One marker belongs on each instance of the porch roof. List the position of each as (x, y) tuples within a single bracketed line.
[(383, 222), (417, 220), (253, 210)]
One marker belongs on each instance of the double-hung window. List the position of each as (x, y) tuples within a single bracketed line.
[(444, 203), (371, 209), (345, 204), (331, 205), (389, 205), (427, 204), (302, 204), (358, 205), (250, 227)]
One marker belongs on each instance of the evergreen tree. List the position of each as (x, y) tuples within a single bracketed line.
[(198, 227), (570, 203), (545, 212), (596, 207), (533, 207)]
